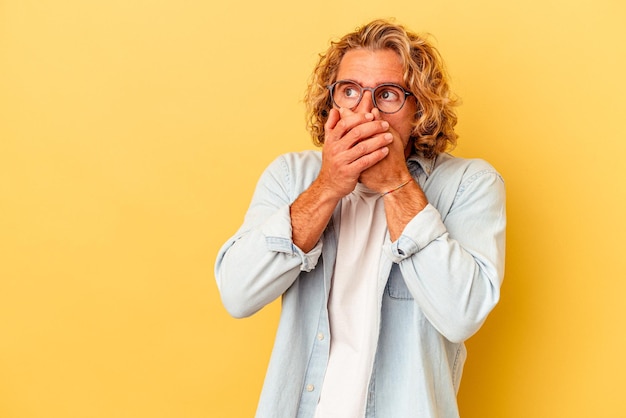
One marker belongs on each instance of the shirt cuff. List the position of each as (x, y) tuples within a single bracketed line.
[(277, 232), (423, 229)]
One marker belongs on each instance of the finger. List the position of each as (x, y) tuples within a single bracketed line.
[(366, 130), (333, 118), (368, 146), (352, 119), (370, 159), (348, 120)]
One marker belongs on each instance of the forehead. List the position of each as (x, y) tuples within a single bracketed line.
[(370, 68)]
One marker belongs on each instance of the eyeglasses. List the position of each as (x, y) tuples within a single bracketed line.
[(387, 97)]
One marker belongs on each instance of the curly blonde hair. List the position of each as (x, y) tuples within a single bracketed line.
[(424, 75)]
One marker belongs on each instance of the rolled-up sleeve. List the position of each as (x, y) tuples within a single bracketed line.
[(277, 232), (260, 262), (418, 233), (453, 262)]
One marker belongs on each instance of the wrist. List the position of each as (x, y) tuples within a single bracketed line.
[(398, 187)]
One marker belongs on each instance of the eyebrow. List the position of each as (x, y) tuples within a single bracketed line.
[(379, 84)]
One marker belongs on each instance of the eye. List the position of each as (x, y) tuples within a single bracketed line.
[(348, 90), (388, 94)]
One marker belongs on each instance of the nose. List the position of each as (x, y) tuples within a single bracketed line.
[(366, 105)]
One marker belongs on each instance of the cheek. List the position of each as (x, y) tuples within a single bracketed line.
[(403, 120), (403, 126)]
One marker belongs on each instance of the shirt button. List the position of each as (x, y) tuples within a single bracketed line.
[(320, 336), (310, 388)]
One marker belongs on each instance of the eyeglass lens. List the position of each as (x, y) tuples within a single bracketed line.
[(387, 98)]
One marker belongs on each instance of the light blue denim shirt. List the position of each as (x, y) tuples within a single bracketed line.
[(437, 284)]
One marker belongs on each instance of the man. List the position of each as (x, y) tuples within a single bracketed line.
[(388, 253)]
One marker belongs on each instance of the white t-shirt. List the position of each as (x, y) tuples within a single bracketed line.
[(353, 305)]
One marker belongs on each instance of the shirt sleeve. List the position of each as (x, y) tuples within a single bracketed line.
[(260, 262), (418, 233), (277, 233), (453, 263)]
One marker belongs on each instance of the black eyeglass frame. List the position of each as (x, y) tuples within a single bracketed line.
[(331, 89)]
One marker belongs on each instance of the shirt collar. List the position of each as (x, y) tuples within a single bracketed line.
[(415, 162)]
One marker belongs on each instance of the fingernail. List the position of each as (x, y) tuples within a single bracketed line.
[(385, 124)]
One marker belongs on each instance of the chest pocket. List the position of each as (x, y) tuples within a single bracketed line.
[(396, 288)]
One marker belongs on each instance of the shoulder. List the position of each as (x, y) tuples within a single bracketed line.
[(457, 181), (298, 164), (447, 163), (463, 171), (295, 171), (302, 158)]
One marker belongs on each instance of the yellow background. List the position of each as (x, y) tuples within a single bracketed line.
[(132, 134)]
